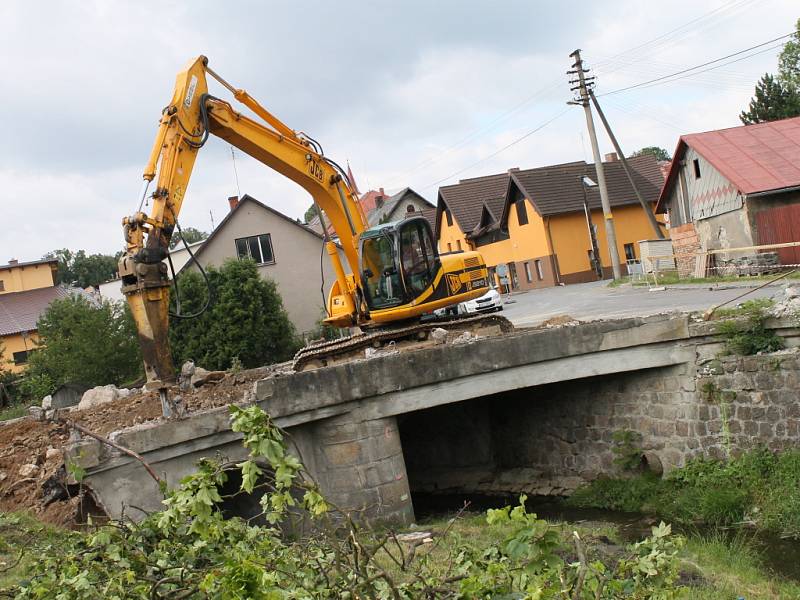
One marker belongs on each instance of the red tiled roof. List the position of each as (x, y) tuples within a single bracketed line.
[(754, 158), (20, 311)]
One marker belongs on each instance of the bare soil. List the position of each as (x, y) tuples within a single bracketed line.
[(27, 442)]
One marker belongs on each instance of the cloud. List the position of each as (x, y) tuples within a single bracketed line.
[(409, 92)]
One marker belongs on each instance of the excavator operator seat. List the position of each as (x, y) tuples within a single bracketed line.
[(398, 262)]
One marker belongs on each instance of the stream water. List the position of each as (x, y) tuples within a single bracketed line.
[(781, 556)]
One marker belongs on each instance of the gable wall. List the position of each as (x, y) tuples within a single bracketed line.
[(297, 260)]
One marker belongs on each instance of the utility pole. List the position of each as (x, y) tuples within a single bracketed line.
[(626, 167), (583, 100)]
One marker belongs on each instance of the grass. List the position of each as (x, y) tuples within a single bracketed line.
[(672, 278), (13, 411), (20, 537), (758, 487), (715, 566), (732, 568)]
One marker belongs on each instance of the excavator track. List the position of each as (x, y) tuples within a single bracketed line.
[(340, 350)]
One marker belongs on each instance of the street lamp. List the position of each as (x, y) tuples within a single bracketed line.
[(586, 182)]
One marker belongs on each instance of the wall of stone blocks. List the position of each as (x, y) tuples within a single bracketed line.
[(550, 439), (360, 468)]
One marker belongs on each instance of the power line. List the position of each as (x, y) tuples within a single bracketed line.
[(663, 36), (712, 68), (504, 148), (711, 62), (477, 133)]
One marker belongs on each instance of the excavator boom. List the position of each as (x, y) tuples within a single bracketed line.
[(397, 279)]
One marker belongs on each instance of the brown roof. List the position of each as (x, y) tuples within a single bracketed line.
[(20, 311), (558, 189), (467, 199), (430, 216)]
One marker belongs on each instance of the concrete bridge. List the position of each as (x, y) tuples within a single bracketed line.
[(531, 411)]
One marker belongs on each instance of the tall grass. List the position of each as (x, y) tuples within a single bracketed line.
[(759, 487)]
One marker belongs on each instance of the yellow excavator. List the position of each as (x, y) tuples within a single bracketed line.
[(396, 273)]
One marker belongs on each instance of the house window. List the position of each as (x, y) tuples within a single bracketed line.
[(449, 216), (21, 358), (449, 247), (696, 163), (257, 247), (630, 253), (528, 275), (458, 245), (2, 286), (539, 271), (522, 212)]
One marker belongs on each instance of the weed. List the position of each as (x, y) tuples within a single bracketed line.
[(627, 451), (745, 330)]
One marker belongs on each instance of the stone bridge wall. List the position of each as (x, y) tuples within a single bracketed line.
[(550, 439)]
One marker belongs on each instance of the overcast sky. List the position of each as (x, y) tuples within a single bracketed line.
[(412, 93)]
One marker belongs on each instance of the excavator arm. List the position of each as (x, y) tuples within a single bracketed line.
[(185, 125)]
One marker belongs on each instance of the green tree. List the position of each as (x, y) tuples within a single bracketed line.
[(80, 341), (773, 100), (658, 152), (190, 234), (82, 270), (310, 213), (778, 96), (246, 319), (789, 61)]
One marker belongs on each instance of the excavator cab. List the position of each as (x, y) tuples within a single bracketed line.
[(399, 262)]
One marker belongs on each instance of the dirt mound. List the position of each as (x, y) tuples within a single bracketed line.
[(42, 489)]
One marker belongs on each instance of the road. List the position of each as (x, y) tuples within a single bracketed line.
[(591, 301)]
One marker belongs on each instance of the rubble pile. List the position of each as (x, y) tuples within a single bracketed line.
[(789, 304), (33, 475)]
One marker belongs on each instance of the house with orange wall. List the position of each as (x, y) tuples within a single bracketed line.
[(26, 289), (534, 222)]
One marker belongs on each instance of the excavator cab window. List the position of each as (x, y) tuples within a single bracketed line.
[(418, 256), (380, 275)]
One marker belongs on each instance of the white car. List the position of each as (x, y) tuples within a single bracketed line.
[(489, 302)]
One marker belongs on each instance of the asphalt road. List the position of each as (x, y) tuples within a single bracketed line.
[(591, 301)]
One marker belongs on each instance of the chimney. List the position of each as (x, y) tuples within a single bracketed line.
[(611, 157), (513, 169), (233, 201), (382, 192), (12, 261)]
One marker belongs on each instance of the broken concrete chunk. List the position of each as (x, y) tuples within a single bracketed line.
[(102, 394), (202, 376), (28, 470), (123, 392), (52, 453), (47, 402), (465, 338), (36, 412), (416, 537), (439, 335)]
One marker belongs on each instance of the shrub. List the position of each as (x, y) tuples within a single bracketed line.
[(245, 319), (80, 341)]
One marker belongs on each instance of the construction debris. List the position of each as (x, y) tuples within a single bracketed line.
[(102, 394), (32, 470)]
